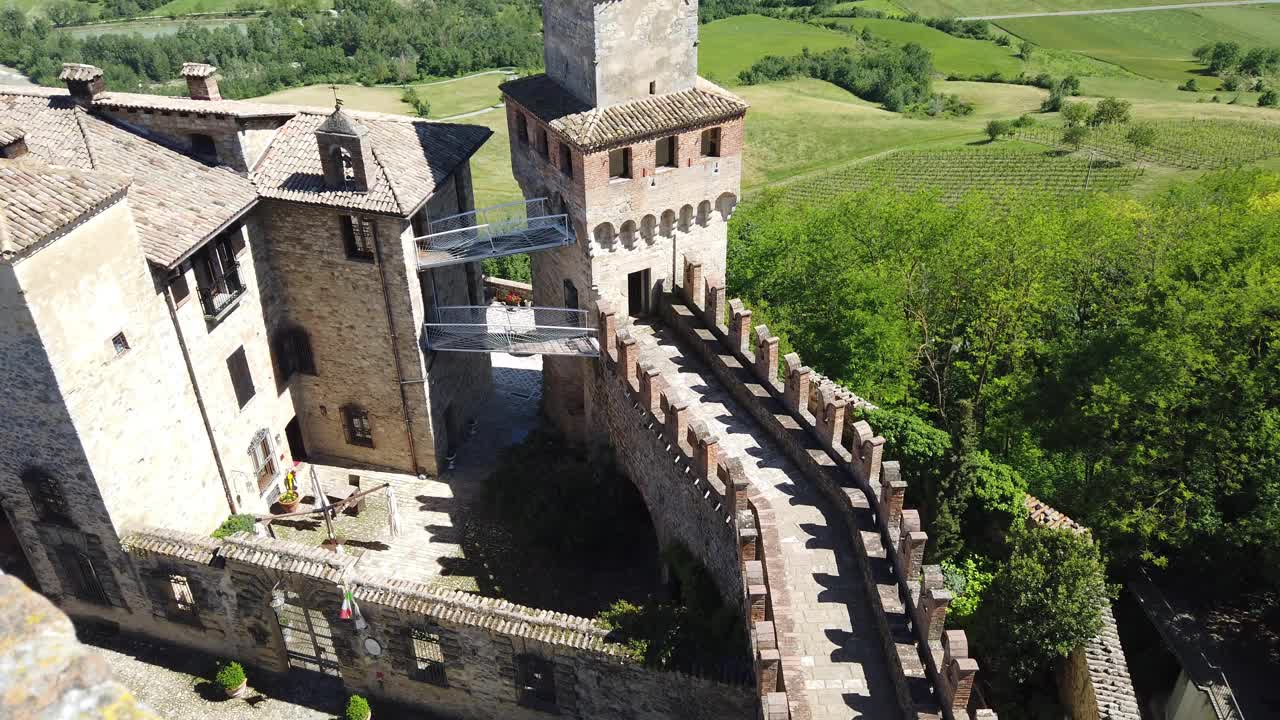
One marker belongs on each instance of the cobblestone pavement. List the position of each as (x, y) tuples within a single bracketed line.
[(840, 653)]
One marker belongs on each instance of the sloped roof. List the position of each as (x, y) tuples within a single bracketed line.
[(166, 103), (38, 201), (592, 128), (412, 158), (177, 201), (79, 72)]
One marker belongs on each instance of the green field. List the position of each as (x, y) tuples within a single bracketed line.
[(729, 46), (1153, 44), (452, 97), (951, 55), (1190, 144), (953, 173), (965, 8)]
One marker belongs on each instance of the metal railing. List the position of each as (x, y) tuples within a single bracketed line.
[(516, 330), (507, 229), (219, 297)]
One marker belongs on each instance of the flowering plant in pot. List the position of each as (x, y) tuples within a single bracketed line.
[(358, 709), (512, 299), (289, 499), (231, 679)]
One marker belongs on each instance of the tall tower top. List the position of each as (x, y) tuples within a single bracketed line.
[(607, 52)]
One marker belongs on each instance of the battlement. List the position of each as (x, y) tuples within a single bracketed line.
[(933, 676)]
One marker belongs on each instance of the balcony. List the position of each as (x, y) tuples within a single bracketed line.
[(220, 296), (515, 330), (509, 229)]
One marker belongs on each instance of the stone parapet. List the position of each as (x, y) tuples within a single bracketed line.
[(806, 415)]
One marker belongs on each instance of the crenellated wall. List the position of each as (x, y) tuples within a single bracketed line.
[(932, 673), (482, 642)]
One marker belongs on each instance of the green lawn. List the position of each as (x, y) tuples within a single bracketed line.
[(963, 8), (951, 55), (1153, 44), (447, 98), (731, 45)]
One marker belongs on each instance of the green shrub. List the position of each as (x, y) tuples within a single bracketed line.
[(1189, 86), (357, 708), (230, 675), (234, 524), (998, 128), (1268, 99)]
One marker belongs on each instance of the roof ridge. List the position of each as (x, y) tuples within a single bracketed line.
[(386, 176), (76, 113)]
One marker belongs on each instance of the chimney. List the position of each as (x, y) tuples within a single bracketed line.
[(83, 81), (201, 84), (13, 142)]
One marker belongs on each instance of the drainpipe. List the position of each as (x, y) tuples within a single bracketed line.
[(204, 413), (395, 354)]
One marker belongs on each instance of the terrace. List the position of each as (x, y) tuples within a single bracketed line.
[(508, 229)]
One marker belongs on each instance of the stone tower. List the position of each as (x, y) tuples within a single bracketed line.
[(644, 157)]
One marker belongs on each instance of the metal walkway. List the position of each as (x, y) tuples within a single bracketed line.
[(515, 330), (508, 229)]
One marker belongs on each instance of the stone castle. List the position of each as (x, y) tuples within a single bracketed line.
[(267, 288)]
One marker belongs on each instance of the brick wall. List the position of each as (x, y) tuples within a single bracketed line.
[(479, 639)]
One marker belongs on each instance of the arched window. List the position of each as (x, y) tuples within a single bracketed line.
[(725, 205), (604, 235), (704, 213), (293, 352), (628, 234), (46, 497), (79, 576), (355, 422), (648, 228), (686, 218), (346, 162)]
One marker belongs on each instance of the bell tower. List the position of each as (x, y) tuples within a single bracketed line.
[(641, 154)]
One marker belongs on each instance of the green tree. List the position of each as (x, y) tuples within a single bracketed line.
[(1075, 113), (998, 128), (1110, 111), (1042, 603), (1075, 136), (1026, 49), (1140, 137), (1224, 57)]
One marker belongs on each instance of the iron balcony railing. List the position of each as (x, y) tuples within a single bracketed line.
[(516, 330), (508, 229), (218, 297)]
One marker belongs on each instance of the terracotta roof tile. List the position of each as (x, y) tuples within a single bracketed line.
[(79, 72), (11, 133), (198, 70), (1046, 515), (413, 157), (36, 201), (164, 103), (594, 128)]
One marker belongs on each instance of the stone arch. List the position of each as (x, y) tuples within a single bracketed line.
[(627, 234), (725, 205), (686, 218), (704, 213), (649, 228), (668, 225), (604, 235)]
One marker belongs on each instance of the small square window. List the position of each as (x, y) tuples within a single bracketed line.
[(120, 343), (355, 421), (620, 163), (536, 682)]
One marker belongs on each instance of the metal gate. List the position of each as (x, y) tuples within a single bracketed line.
[(307, 638)]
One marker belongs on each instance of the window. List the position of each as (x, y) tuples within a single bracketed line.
[(293, 353), (358, 235), (203, 147), (428, 657), (522, 128), (536, 682), (355, 420), (620, 163), (347, 163), (263, 455), (566, 160), (182, 601), (653, 87), (218, 273), (81, 580), (241, 380), (120, 344), (542, 143), (46, 497), (711, 142), (570, 295), (665, 152)]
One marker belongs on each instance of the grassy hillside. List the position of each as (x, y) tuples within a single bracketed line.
[(729, 46), (452, 97), (951, 55), (1153, 44), (964, 8)]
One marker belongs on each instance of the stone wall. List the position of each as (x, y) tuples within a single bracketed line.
[(88, 416), (480, 640), (932, 671), (239, 143)]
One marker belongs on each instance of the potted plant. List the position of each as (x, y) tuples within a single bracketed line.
[(232, 679), (289, 498), (358, 708), (513, 299)]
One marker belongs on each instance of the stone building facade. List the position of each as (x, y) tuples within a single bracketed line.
[(199, 291)]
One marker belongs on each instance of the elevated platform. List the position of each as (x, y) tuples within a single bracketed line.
[(515, 330), (496, 231)]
